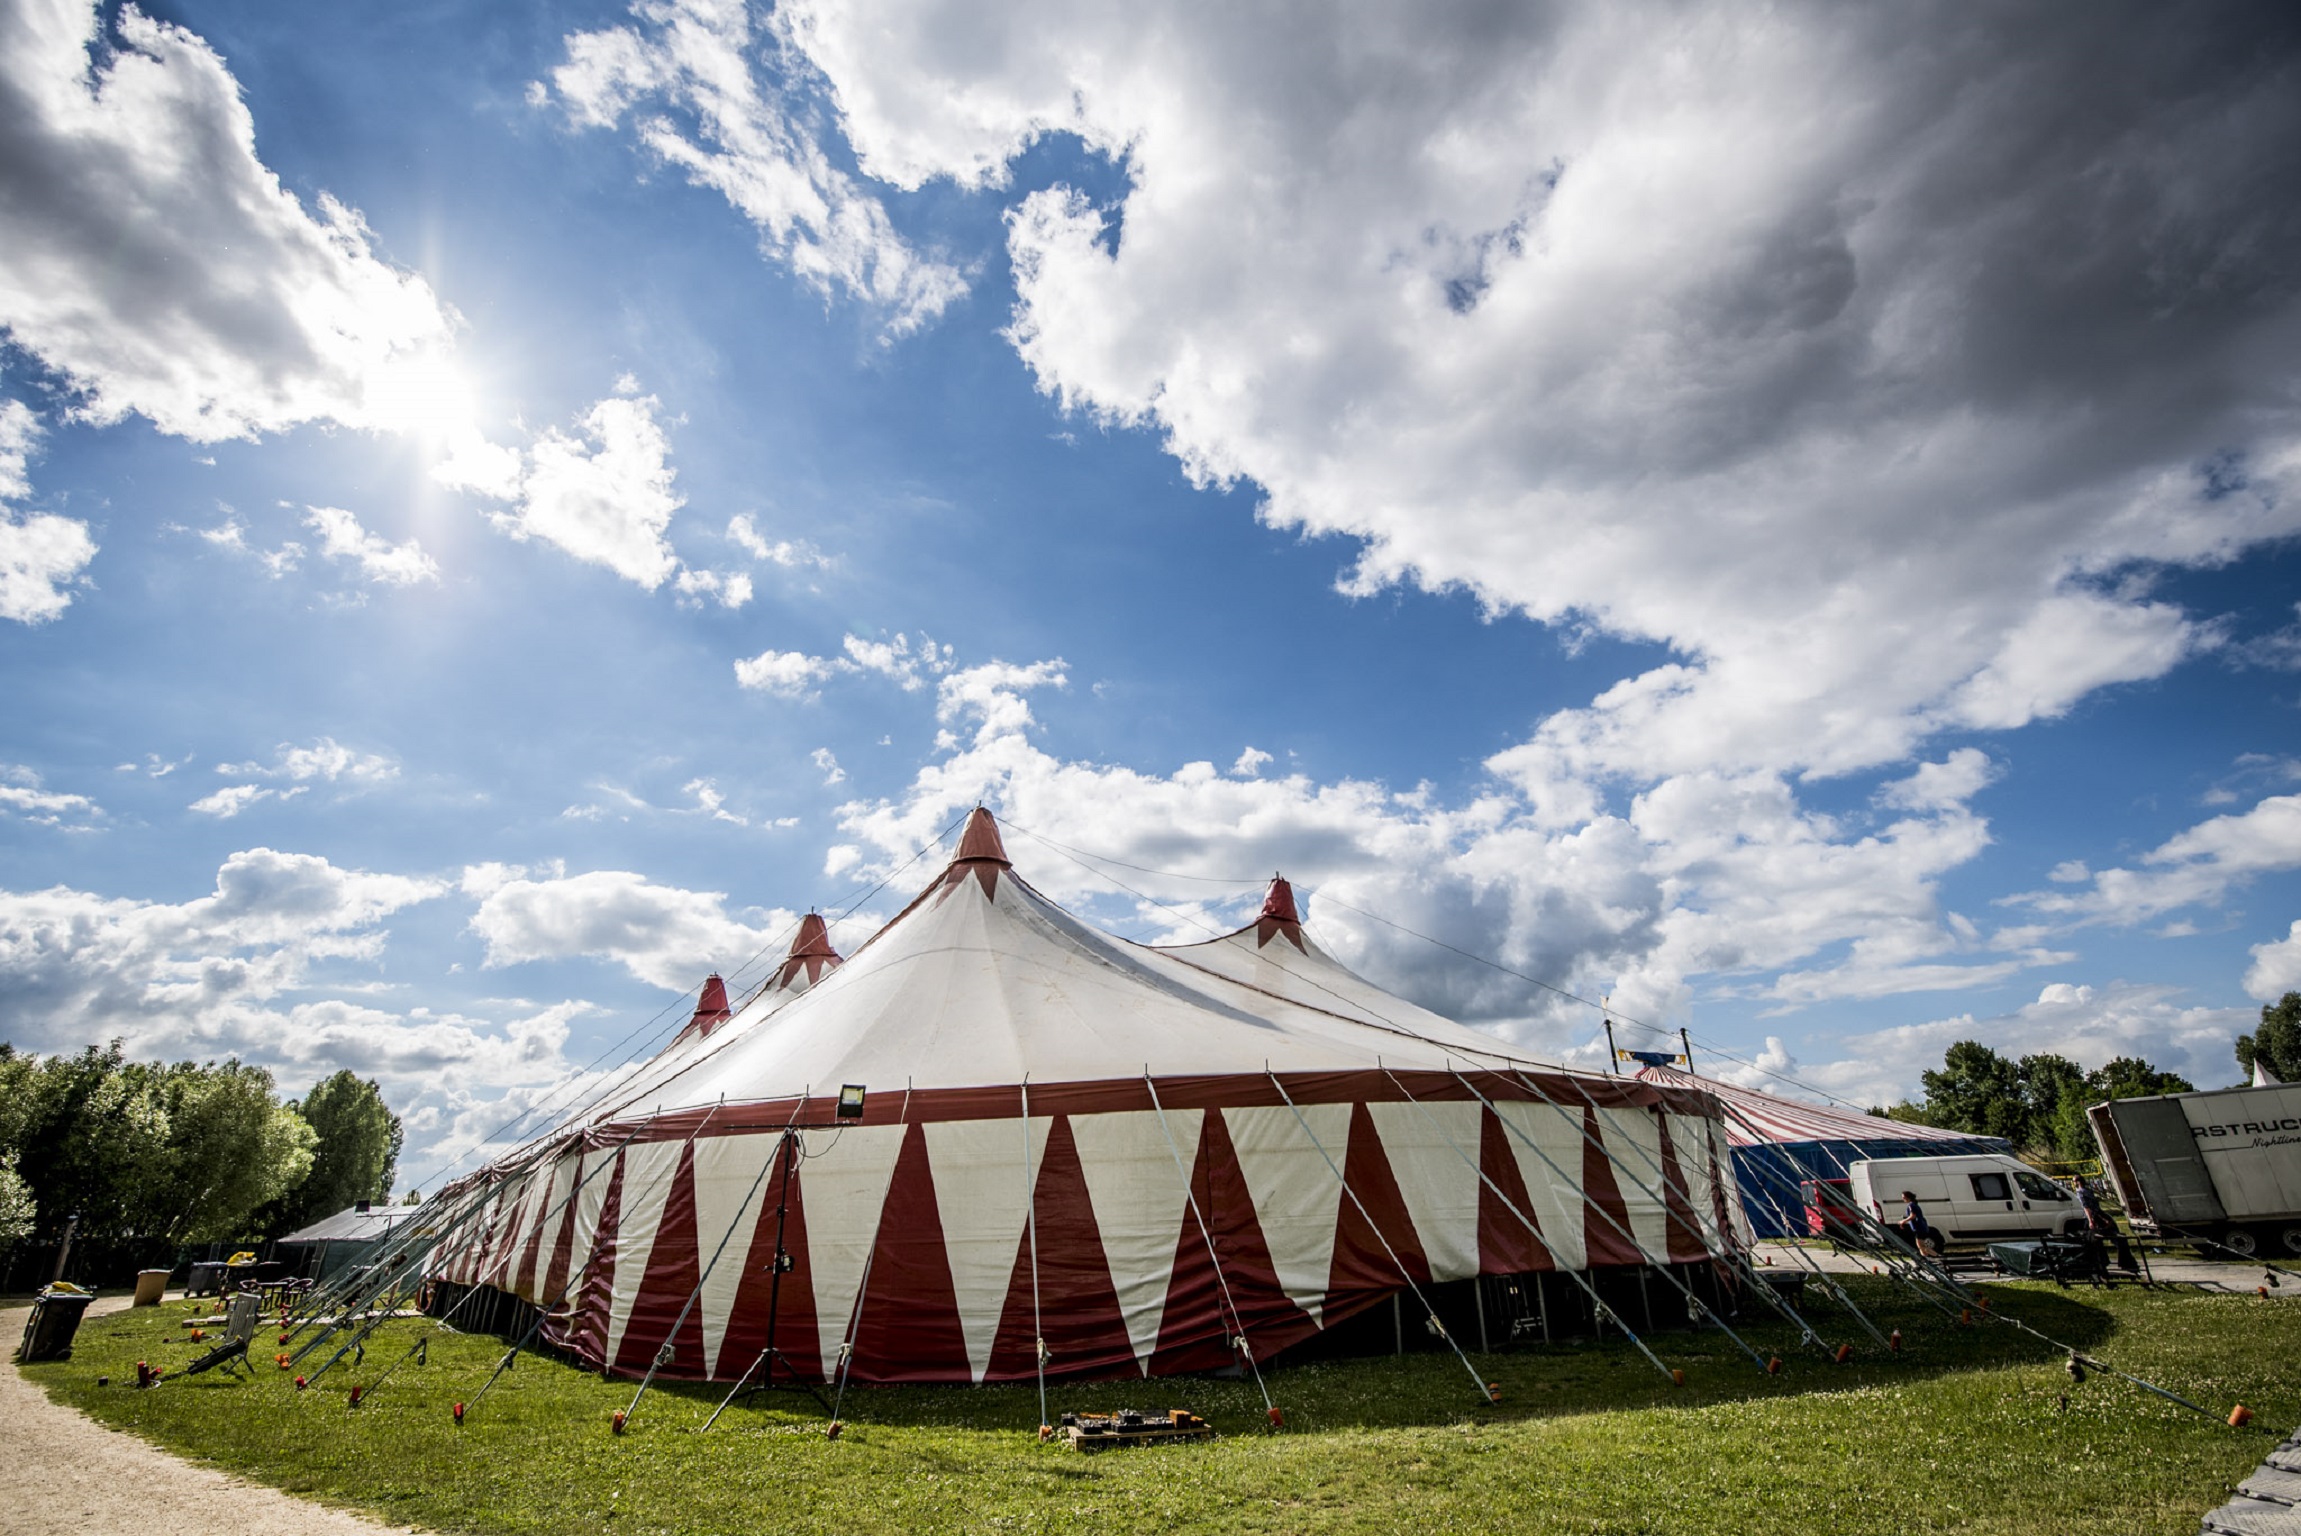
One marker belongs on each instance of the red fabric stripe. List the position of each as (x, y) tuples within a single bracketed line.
[(673, 1268), (1362, 1269), (910, 1325), (1505, 1247), (1609, 1240), (1684, 1242), (1194, 1335), (584, 1331), (796, 1338), (1078, 1308)]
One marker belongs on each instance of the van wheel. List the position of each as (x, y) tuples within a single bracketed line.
[(2291, 1239), (2241, 1242)]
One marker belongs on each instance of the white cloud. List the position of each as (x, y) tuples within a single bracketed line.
[(685, 73), (745, 535), (232, 799), (41, 555), (604, 495), (2192, 868), (1722, 882), (21, 794), (1765, 349), (379, 560), (1939, 786), (730, 590), (898, 660), (662, 934), (2276, 968), (156, 264), (794, 674), (787, 674), (41, 558), (2088, 1024), (1251, 762), (828, 765), (20, 435), (326, 760), (711, 802), (209, 977)]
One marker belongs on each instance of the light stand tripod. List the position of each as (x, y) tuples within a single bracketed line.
[(788, 1152)]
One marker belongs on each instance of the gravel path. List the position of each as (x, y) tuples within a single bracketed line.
[(62, 1472)]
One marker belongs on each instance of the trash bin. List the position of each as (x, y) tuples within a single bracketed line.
[(150, 1283), (55, 1319)]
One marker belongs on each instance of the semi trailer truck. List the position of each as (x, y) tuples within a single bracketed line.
[(2221, 1168)]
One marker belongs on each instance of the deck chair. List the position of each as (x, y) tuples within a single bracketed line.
[(241, 1314)]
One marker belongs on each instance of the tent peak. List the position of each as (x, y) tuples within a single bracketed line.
[(980, 841), (1279, 918), (810, 955), (711, 1008), (980, 854)]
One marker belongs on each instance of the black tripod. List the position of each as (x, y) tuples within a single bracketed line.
[(788, 1151)]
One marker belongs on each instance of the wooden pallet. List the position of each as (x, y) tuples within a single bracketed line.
[(1091, 1432)]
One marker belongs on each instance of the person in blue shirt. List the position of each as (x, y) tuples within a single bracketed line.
[(1915, 1227)]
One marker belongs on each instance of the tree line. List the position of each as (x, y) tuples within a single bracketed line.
[(2038, 1102), (156, 1156)]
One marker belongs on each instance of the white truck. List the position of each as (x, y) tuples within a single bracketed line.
[(2221, 1167), (1977, 1197)]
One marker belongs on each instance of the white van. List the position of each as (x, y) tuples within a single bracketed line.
[(1976, 1198)]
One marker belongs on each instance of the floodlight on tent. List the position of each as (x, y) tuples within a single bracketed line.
[(851, 1102)]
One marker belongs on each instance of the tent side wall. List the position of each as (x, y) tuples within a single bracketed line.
[(1134, 1233)]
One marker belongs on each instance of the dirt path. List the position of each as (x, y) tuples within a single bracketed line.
[(61, 1472)]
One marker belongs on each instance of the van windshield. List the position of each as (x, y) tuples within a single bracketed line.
[(2038, 1187)]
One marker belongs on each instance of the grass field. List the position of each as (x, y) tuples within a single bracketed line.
[(1965, 1431)]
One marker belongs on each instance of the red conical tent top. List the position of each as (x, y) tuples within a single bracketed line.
[(711, 1010), (980, 854), (810, 959), (1278, 915)]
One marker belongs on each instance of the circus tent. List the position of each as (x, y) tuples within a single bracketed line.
[(1076, 1154), (1781, 1144)]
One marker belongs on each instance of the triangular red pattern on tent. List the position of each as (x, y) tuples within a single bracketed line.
[(1505, 1245), (1195, 1330), (1279, 916), (586, 1330), (980, 854), (674, 1269), (1078, 1308), (1362, 1270), (1608, 1235), (797, 1339), (909, 1329), (557, 1278), (1727, 1237), (1684, 1244), (811, 955), (525, 1281)]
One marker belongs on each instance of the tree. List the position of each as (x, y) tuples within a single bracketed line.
[(354, 1157), (1977, 1091), (146, 1154), (2277, 1043), (17, 1208), (2037, 1102)]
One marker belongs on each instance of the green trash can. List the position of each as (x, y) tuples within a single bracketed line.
[(55, 1320)]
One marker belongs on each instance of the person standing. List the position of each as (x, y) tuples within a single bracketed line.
[(2101, 1224)]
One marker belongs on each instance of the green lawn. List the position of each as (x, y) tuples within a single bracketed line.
[(1964, 1432)]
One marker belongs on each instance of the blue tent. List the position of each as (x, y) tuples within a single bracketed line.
[(1780, 1145)]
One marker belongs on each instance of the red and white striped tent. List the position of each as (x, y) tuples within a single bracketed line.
[(1127, 1155)]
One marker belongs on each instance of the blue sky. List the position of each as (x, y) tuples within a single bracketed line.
[(1789, 523)]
